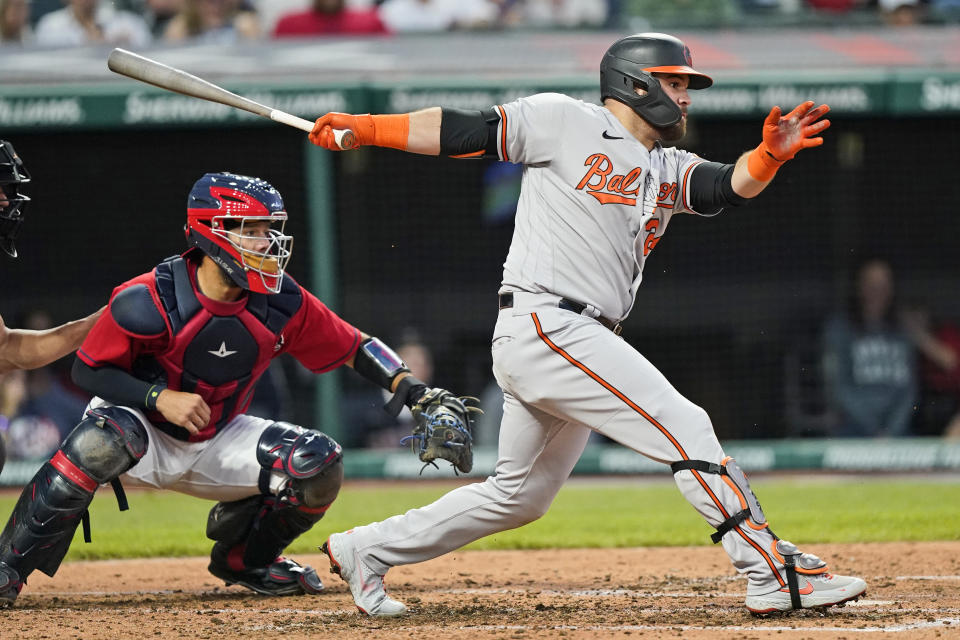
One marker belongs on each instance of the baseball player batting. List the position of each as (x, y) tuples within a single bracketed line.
[(599, 189), (22, 348), (173, 366)]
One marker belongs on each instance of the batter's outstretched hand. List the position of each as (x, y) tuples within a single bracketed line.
[(786, 135), (322, 134), (187, 410)]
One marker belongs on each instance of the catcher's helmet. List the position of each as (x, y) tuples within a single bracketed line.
[(219, 208), (631, 61), (12, 175)]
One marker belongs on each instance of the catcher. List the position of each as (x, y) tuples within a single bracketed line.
[(173, 366)]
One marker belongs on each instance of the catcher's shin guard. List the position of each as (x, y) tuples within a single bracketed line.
[(107, 442), (251, 533)]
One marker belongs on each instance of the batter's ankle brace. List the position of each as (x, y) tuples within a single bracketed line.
[(738, 482), (790, 555)]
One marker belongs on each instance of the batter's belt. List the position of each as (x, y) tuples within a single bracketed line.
[(506, 302)]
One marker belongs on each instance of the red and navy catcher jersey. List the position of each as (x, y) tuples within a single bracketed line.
[(163, 330)]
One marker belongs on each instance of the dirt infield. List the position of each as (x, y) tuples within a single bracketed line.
[(571, 594)]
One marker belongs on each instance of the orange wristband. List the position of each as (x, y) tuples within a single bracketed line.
[(391, 130), (761, 164)]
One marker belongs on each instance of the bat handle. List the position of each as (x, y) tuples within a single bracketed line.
[(344, 137)]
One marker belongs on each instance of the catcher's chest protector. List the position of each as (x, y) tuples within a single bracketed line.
[(217, 350)]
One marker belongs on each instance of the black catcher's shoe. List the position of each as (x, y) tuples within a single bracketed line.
[(283, 577), (10, 585)]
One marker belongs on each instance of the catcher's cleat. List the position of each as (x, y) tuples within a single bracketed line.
[(365, 585), (283, 577), (10, 585), (815, 591)]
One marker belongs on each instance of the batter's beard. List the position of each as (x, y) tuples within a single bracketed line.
[(677, 131)]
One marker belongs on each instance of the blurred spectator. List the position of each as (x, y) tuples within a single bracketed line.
[(329, 17), (869, 361), (939, 347), (15, 22), (270, 11), (159, 13), (900, 13), (40, 8), (438, 15), (213, 22), (83, 22), (834, 6), (766, 5), (564, 13), (13, 389)]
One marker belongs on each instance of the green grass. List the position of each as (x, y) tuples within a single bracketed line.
[(612, 514)]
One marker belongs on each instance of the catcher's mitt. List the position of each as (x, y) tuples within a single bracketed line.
[(444, 428)]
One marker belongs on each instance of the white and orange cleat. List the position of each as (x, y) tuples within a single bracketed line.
[(365, 585), (808, 585)]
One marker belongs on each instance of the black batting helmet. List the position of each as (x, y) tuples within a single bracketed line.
[(12, 175), (632, 60)]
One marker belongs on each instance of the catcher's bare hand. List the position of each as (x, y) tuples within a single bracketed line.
[(444, 428), (187, 410), (786, 135)]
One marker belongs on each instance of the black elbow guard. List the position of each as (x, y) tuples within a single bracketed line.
[(378, 363), (711, 188), (469, 133)]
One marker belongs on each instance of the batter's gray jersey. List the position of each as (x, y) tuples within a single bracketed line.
[(594, 201)]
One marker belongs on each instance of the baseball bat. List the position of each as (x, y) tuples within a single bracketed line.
[(158, 74)]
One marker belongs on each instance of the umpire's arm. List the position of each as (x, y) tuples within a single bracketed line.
[(24, 349)]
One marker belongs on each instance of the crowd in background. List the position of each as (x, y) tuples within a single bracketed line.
[(136, 23)]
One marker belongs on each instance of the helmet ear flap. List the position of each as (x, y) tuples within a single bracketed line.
[(653, 105), (224, 260), (636, 58)]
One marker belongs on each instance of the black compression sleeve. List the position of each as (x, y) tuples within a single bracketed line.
[(711, 188), (116, 385), (469, 132)]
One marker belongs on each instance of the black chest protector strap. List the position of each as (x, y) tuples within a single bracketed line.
[(176, 292)]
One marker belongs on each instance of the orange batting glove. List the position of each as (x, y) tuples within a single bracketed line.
[(379, 130), (784, 136)]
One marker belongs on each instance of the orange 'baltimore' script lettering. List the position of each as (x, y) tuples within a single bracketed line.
[(607, 189)]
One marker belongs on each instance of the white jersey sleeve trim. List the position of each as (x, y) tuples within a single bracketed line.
[(502, 134)]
